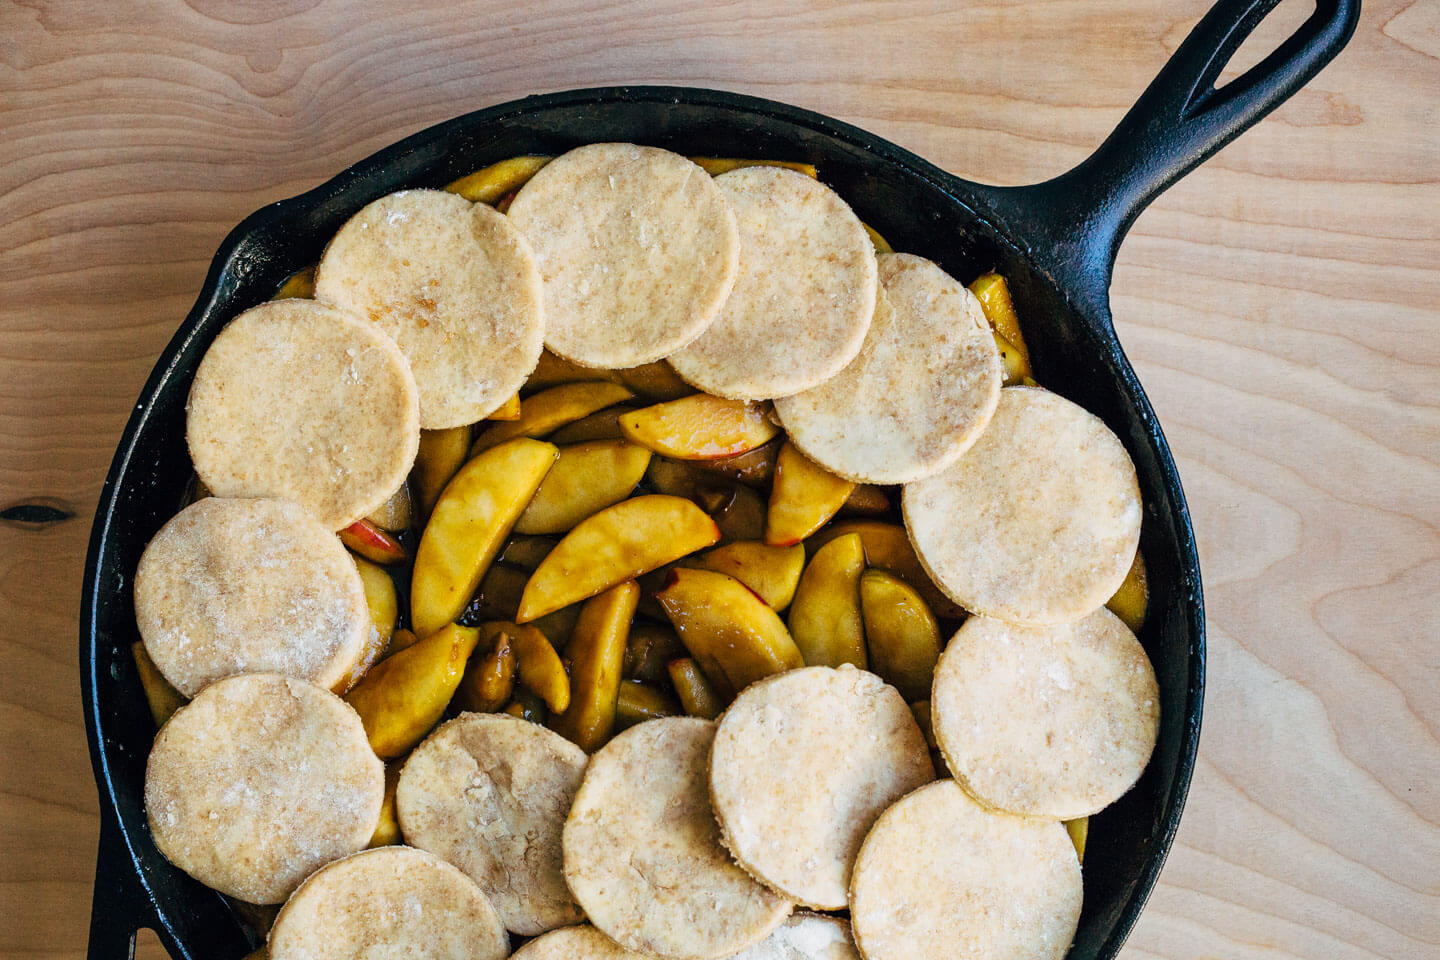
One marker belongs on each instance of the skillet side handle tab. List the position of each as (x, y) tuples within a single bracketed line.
[(120, 907), (1180, 121)]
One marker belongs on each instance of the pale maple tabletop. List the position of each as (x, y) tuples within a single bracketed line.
[(1280, 306)]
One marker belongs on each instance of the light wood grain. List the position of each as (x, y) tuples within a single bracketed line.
[(1280, 306)]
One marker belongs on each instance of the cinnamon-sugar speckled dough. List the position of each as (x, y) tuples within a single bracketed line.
[(804, 296), (643, 854), (637, 247), (803, 763), (390, 903), (923, 387), (1038, 521), (249, 586), (576, 943), (258, 782), (455, 284), (489, 793), (1055, 721), (301, 401), (805, 936), (940, 877)]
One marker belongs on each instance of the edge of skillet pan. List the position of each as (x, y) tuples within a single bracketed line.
[(1055, 242)]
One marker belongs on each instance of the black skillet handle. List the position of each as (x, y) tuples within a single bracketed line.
[(1179, 121), (120, 906)]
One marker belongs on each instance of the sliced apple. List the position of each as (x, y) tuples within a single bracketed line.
[(994, 295), (1079, 831), (880, 244), (387, 831), (384, 606), (900, 631), (724, 623), (700, 427), (804, 498), (825, 615), (692, 687), (490, 678), (405, 694), (600, 425), (373, 544), (552, 371), (676, 479), (524, 705), (394, 514), (741, 516), (498, 596), (538, 666), (401, 639), (559, 626), (549, 410), (509, 410), (718, 165), (1017, 369), (489, 184), (1131, 602), (300, 285), (649, 650), (469, 524), (772, 572), (163, 699), (587, 478), (923, 719), (655, 381), (442, 453), (617, 544), (526, 552), (866, 500), (888, 547), (754, 468), (638, 701), (597, 656)]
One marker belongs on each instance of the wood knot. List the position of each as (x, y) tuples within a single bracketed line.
[(36, 514)]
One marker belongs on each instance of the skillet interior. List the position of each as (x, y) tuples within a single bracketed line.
[(917, 207)]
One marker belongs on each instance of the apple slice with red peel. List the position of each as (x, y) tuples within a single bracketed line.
[(373, 544), (700, 427), (804, 498), (727, 627)]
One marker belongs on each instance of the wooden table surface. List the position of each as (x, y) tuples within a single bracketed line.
[(1280, 306)]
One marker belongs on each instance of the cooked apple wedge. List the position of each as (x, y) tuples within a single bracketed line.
[(772, 572), (655, 381), (866, 500), (741, 515), (552, 371), (697, 696), (387, 831), (994, 295), (498, 596), (163, 699), (880, 244), (718, 165), (617, 544), (538, 666), (597, 655), (394, 514), (441, 455), (405, 694), (489, 680), (600, 425), (586, 479), (754, 468), (700, 427), (900, 632), (888, 547), (509, 410), (1079, 831), (676, 479), (489, 184), (526, 552), (825, 615), (549, 410), (469, 524), (300, 285), (373, 544), (804, 498), (1131, 601), (384, 606), (649, 651), (638, 701), (727, 628)]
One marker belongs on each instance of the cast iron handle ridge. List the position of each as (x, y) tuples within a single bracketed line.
[(1177, 123)]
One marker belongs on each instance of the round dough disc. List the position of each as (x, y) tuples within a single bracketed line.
[(576, 943), (390, 903), (489, 793), (643, 854), (941, 877), (923, 388), (300, 401), (258, 782), (1038, 522), (803, 299), (1056, 721), (249, 586), (637, 248), (455, 284), (805, 936), (803, 763)]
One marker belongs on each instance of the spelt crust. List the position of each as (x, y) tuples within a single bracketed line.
[(489, 793), (576, 943), (643, 854), (456, 286), (300, 401), (1054, 721), (803, 763), (259, 781), (390, 903), (804, 295), (249, 586), (941, 877), (637, 248), (1036, 523), (922, 389), (805, 936)]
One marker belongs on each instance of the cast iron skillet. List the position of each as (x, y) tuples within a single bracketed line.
[(1055, 242)]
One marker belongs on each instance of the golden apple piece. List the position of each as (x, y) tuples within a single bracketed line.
[(880, 244), (901, 632), (498, 596), (373, 544), (597, 656), (994, 295), (509, 410), (637, 702), (1079, 831), (552, 371), (700, 427), (772, 572), (587, 478), (600, 425), (825, 614), (1131, 602), (300, 285), (754, 468), (692, 687), (617, 544), (676, 479), (489, 184), (401, 639), (525, 705), (1017, 370), (804, 498), (468, 526), (727, 627), (718, 165), (406, 694), (742, 515), (549, 410), (655, 381), (559, 626), (888, 547), (387, 831), (649, 651), (489, 680), (442, 453), (866, 500), (921, 710), (538, 666), (384, 605), (163, 699), (526, 552), (394, 514)]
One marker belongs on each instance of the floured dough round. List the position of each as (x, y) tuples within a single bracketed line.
[(805, 936), (249, 586), (455, 284), (923, 388), (637, 248), (576, 943), (941, 877), (803, 763), (300, 401), (1038, 522), (804, 296), (390, 903), (1055, 721), (489, 793), (259, 781), (643, 854)]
